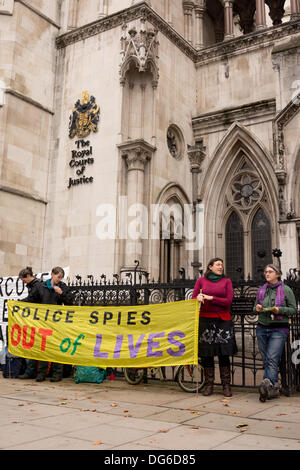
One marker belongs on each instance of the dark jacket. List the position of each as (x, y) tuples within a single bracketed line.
[(31, 286), (41, 294), (282, 319)]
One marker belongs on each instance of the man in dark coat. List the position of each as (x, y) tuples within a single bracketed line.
[(32, 283), (51, 292)]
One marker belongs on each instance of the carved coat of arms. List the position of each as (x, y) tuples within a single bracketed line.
[(85, 117)]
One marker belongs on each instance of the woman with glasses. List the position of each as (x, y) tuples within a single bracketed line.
[(274, 303)]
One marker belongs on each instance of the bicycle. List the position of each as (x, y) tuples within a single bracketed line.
[(135, 375), (190, 378)]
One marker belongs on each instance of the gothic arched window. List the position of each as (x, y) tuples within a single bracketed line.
[(248, 234), (261, 243), (234, 247)]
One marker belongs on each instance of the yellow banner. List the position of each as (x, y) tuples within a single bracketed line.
[(135, 336)]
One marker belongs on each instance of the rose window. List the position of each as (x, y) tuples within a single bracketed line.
[(246, 190)]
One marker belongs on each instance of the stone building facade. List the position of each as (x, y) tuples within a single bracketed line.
[(126, 127)]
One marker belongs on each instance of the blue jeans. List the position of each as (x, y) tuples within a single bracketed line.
[(270, 344)]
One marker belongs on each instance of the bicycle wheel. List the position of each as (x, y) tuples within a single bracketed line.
[(191, 378), (134, 376)]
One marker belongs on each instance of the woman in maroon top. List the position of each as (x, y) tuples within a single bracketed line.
[(216, 334)]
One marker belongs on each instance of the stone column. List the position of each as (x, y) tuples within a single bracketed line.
[(295, 9), (196, 156), (143, 91), (137, 153), (228, 18), (199, 11), (73, 14), (168, 15), (2, 93), (188, 7), (102, 8), (260, 18)]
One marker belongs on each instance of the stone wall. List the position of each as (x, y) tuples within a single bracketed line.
[(27, 57)]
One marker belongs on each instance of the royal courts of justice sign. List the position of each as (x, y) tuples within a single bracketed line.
[(139, 336)]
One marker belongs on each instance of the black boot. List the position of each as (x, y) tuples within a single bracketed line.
[(209, 375), (225, 380)]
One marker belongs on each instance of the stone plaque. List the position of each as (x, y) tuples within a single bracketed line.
[(6, 7)]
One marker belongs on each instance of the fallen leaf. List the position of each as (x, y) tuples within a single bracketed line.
[(97, 443), (233, 412), (15, 422), (114, 404), (163, 430), (63, 403), (278, 427), (194, 412), (21, 404), (195, 427), (242, 425)]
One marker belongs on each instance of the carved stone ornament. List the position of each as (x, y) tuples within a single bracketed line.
[(85, 117), (175, 141), (139, 48), (136, 153), (196, 157), (279, 124)]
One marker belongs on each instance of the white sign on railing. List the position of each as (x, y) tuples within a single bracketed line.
[(13, 288)]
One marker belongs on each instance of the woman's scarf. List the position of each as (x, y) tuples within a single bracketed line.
[(280, 294), (49, 285), (214, 277)]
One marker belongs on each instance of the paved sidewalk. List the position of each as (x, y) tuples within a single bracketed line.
[(154, 416)]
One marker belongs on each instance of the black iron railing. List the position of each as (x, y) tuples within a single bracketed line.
[(246, 365)]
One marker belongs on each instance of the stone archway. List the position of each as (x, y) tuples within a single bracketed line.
[(167, 245), (240, 176)]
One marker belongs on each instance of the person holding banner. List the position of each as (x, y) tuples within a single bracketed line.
[(26, 275), (51, 292), (214, 291)]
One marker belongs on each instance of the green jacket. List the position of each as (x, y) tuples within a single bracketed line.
[(290, 308)]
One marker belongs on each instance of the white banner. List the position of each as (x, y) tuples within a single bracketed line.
[(13, 288)]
